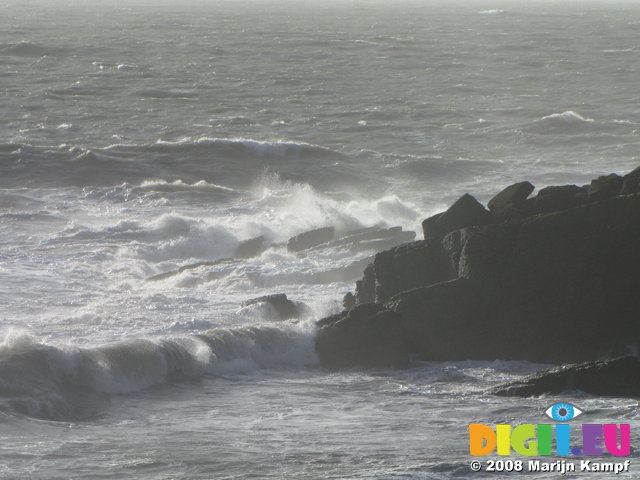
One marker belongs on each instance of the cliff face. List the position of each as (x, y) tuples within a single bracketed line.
[(553, 278)]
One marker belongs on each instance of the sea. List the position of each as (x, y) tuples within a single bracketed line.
[(138, 137)]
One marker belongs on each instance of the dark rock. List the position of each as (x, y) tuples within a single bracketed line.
[(310, 239), (605, 187), (552, 286), (553, 199), (366, 288), (465, 212), (250, 248), (430, 227), (630, 185), (618, 377), (445, 321), (631, 182), (366, 336), (349, 301), (512, 196), (285, 307), (635, 173), (409, 266)]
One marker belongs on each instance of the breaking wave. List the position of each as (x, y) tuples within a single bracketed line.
[(66, 383)]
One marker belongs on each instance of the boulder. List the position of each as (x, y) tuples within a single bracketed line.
[(310, 239), (553, 199), (279, 301), (366, 336), (617, 377), (513, 196), (465, 212)]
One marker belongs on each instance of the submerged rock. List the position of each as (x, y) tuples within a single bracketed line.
[(250, 248), (310, 239), (617, 377), (191, 266), (279, 301)]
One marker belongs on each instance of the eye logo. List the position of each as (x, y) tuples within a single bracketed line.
[(562, 412)]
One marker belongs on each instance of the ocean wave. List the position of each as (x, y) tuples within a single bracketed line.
[(181, 186), (70, 383), (567, 117), (567, 122), (217, 161)]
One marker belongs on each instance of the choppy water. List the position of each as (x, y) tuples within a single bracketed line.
[(138, 138)]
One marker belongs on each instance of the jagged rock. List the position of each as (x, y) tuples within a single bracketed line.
[(310, 239), (285, 307), (513, 196), (617, 377), (465, 212), (605, 187), (366, 336), (250, 248)]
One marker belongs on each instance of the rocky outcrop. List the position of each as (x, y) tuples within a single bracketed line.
[(554, 281), (366, 336), (617, 377)]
